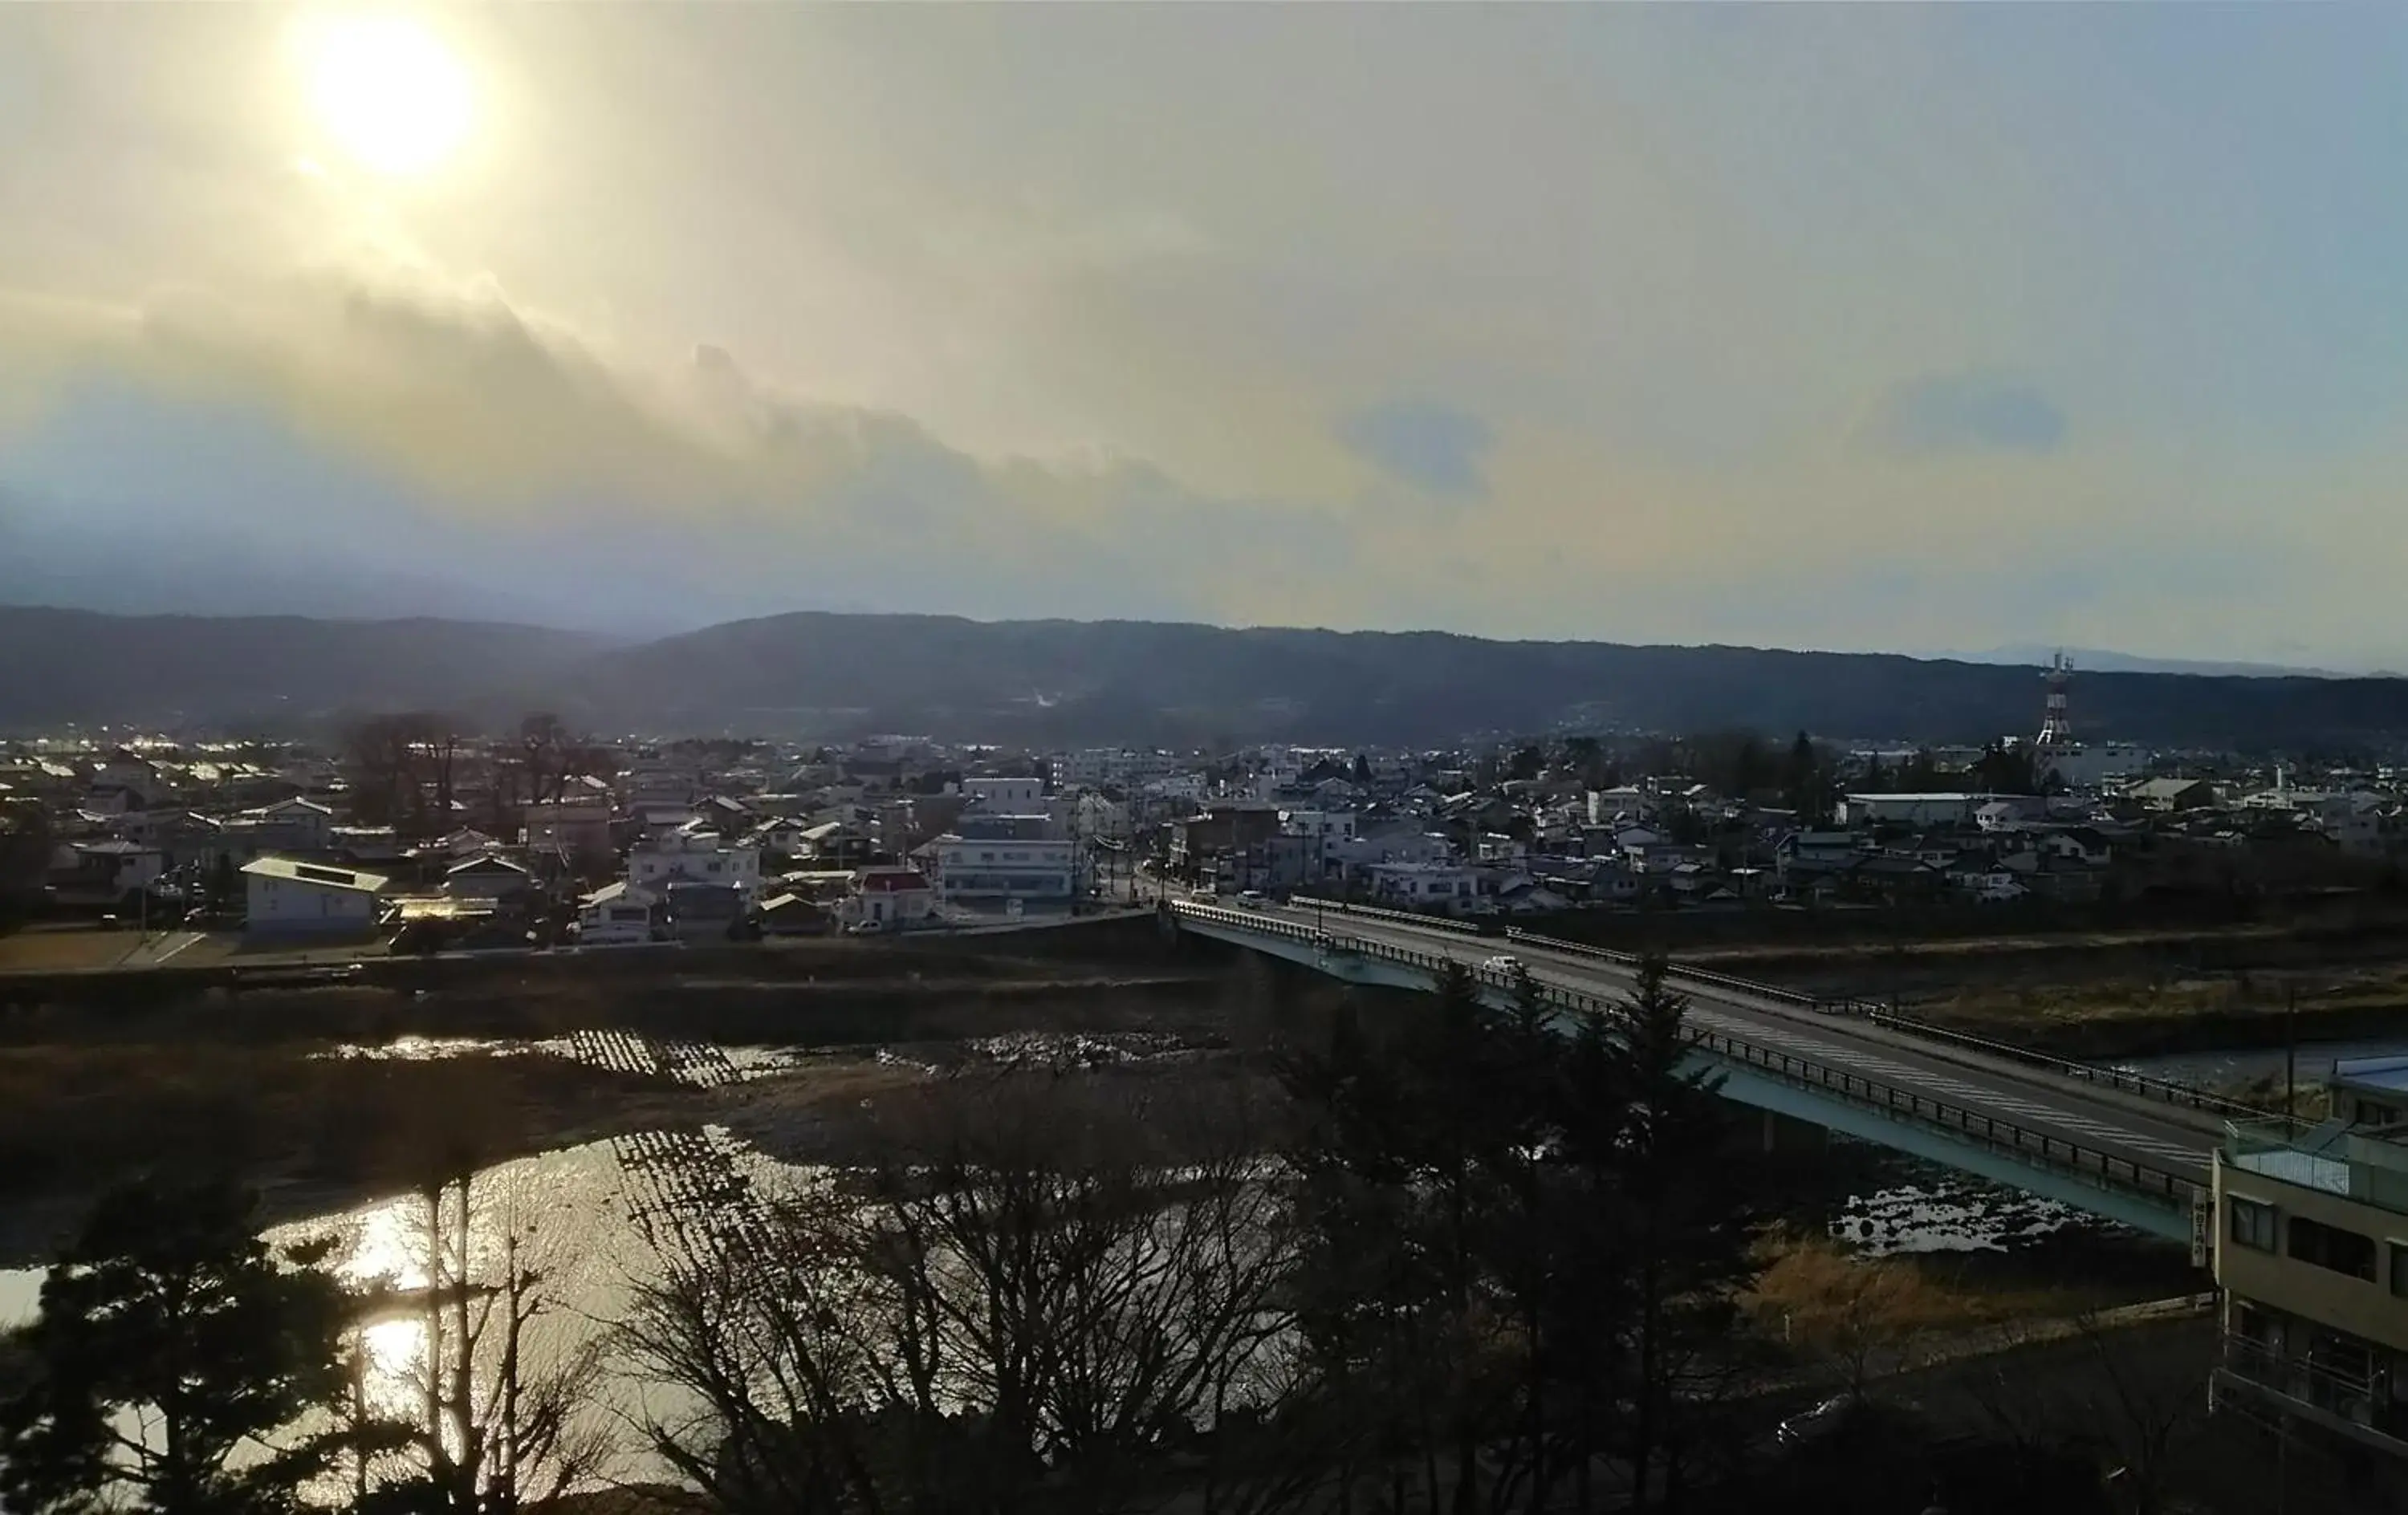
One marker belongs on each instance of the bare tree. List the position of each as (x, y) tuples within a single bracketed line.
[(403, 769), (502, 1404), (1052, 1288)]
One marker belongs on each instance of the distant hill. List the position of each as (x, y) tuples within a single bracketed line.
[(58, 666), (2103, 660), (1048, 682)]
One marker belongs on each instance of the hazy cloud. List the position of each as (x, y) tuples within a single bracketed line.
[(1433, 447), (1092, 310), (435, 435), (1967, 412)]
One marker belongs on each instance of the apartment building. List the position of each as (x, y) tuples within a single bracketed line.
[(2312, 1260), (1006, 857)]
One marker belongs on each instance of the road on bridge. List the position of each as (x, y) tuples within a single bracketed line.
[(2171, 1138)]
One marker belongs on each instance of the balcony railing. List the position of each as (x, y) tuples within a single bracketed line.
[(2362, 1401), (2368, 1169)]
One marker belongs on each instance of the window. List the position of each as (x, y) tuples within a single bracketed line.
[(2400, 1271), (2253, 1224), (2330, 1247)]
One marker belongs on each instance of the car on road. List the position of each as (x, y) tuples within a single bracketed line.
[(1813, 1424), (1251, 899), (1504, 963)]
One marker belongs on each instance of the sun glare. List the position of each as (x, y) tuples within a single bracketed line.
[(390, 93)]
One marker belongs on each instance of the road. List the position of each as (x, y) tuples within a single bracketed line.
[(2170, 1139)]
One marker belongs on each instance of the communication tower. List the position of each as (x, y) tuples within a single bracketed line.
[(2055, 727)]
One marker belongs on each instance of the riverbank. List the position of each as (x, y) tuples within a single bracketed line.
[(272, 1084), (2118, 996)]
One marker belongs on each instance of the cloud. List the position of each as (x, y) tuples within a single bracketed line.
[(1433, 447), (443, 433), (1966, 412)]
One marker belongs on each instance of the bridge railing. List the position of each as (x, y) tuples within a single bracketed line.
[(2167, 1090), (1985, 1130), (1376, 913)]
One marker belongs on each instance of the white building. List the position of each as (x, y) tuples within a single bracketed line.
[(288, 897), (694, 857), (996, 862), (1607, 806), (1425, 886), (1934, 810), (889, 898), (2084, 766), (2309, 1236), (615, 915)]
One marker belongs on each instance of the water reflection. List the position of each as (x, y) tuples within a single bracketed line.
[(1948, 1215), (21, 1297), (562, 1217)]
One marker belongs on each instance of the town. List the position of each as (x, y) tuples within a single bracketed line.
[(410, 835)]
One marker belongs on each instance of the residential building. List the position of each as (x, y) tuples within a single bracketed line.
[(1006, 857), (615, 915), (102, 872), (692, 855), (1198, 841), (576, 826), (1425, 886), (2311, 1244), (1097, 767), (706, 911), (791, 915), (1006, 796), (487, 876), (293, 825), (1331, 826), (290, 897), (2174, 794), (890, 898), (1607, 806)]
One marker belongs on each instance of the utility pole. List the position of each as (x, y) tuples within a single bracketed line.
[(2290, 1057)]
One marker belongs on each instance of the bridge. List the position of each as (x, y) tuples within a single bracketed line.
[(2133, 1150)]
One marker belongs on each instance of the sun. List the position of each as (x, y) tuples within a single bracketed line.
[(390, 93)]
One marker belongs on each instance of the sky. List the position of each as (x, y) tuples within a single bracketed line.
[(1860, 327)]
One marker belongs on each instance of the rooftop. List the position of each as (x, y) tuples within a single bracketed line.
[(2384, 1075), (2331, 1158), (316, 872)]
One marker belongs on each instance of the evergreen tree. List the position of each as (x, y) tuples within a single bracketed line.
[(170, 1313), (1686, 1240)]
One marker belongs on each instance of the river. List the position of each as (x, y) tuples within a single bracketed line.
[(2250, 1064), (594, 1217)]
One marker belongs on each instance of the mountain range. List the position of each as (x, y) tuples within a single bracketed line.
[(1059, 681)]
